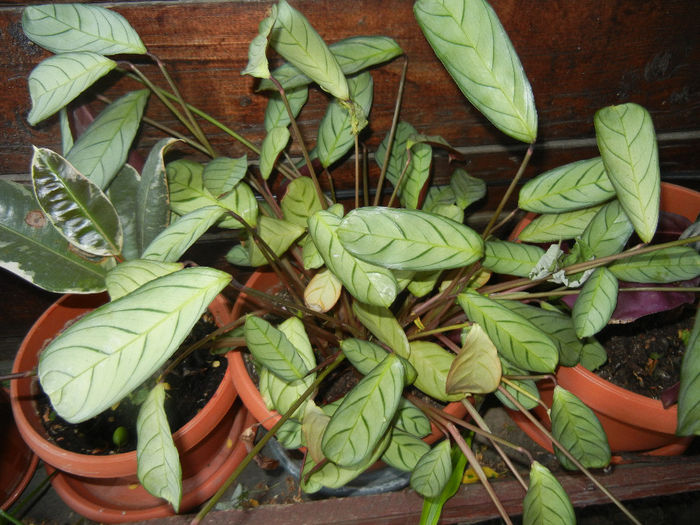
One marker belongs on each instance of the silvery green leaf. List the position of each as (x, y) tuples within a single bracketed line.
[(121, 193), (593, 354), (102, 149), (32, 248), (381, 322), (274, 142), (420, 158), (222, 174), (688, 398), (66, 133), (366, 282), (240, 200), (432, 507), (408, 239), (362, 354), (516, 338), (77, 207), (627, 145), (271, 347), (608, 231), (289, 434), (309, 254), (128, 276), (437, 196), (467, 189), (293, 37), (79, 27), (186, 186), (300, 201), (570, 187), (668, 265), (257, 60), (424, 282), (511, 258), (411, 419), (59, 79), (364, 416), (471, 43), (577, 428), (433, 470), (450, 211), (552, 227), (546, 501), (596, 303), (433, 363), (526, 392), (276, 115), (105, 355), (277, 234), (399, 152), (476, 369), (157, 456), (404, 450)]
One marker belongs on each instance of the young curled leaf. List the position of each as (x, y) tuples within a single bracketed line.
[(274, 142), (257, 59), (476, 369)]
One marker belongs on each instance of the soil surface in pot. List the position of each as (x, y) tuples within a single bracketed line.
[(191, 385)]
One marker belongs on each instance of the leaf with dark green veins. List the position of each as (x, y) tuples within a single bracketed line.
[(552, 227), (222, 174), (596, 302), (276, 115), (128, 276), (383, 324), (511, 258), (404, 450), (432, 507), (433, 471), (668, 265), (257, 60), (546, 501), (300, 201), (362, 354), (608, 231), (467, 189), (277, 234), (240, 200), (689, 394), (526, 392), (186, 186), (273, 144), (273, 349), (593, 354), (411, 419)]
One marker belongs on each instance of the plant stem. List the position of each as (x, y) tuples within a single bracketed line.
[(442, 329), (357, 171), (518, 296), (524, 392), (18, 375)]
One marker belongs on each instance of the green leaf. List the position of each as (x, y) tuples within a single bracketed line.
[(277, 234), (121, 193), (668, 265), (552, 227), (323, 291), (404, 450), (300, 201), (309, 254), (432, 507), (79, 27), (32, 248), (471, 43), (476, 369), (289, 434), (593, 354), (511, 258), (433, 363), (381, 322), (399, 152), (66, 133), (423, 282), (575, 426), (78, 208), (688, 396), (274, 350), (101, 151), (313, 424), (273, 144), (157, 457), (516, 338), (433, 471), (526, 386), (362, 354), (105, 355), (608, 231), (59, 79), (222, 174), (257, 60), (419, 158), (368, 283), (276, 115), (128, 276), (596, 302), (408, 239), (293, 37), (627, 145), (411, 419), (546, 501), (365, 414), (186, 187), (467, 189), (570, 187), (240, 200)]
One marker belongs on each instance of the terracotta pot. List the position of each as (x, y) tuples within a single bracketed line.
[(248, 390), (631, 421), (207, 440)]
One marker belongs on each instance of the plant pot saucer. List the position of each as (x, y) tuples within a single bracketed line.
[(124, 499)]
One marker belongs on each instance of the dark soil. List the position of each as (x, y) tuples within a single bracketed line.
[(191, 385)]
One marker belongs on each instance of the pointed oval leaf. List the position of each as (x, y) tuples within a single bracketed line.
[(66, 133), (593, 354), (570, 187), (121, 193), (399, 151), (106, 354), (362, 419), (471, 43), (467, 189), (280, 395), (408, 239), (381, 322), (668, 265), (411, 419), (186, 186), (157, 456), (78, 208), (516, 338), (323, 291), (277, 234), (511, 258), (300, 201), (627, 145), (433, 363), (688, 396), (404, 450), (102, 149), (363, 355), (433, 471), (309, 254), (476, 369), (577, 428), (423, 282), (524, 391), (608, 231), (273, 349), (596, 302), (273, 144), (276, 115), (241, 201), (552, 227), (289, 434), (79, 27), (222, 174), (59, 79), (546, 500), (412, 182), (128, 276)]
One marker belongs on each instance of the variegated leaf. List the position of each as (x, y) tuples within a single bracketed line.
[(476, 369), (128, 276), (525, 390), (404, 450), (381, 322), (105, 355), (688, 397), (467, 189), (300, 201), (450, 211), (433, 470), (627, 145), (276, 115), (668, 265), (274, 350), (257, 59), (274, 142), (323, 291), (433, 363), (59, 79), (157, 457), (471, 43), (516, 338), (289, 434), (577, 428), (546, 501), (420, 157), (511, 258), (222, 174), (408, 239), (608, 231), (411, 419), (570, 187), (121, 193), (79, 27), (596, 302), (554, 227), (439, 196)]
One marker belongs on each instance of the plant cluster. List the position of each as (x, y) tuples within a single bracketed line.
[(395, 284)]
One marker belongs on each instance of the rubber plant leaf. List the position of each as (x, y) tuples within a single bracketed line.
[(366, 282), (473, 46), (353, 54), (105, 355), (364, 416), (408, 239), (516, 338), (467, 189), (627, 144), (157, 457), (668, 265), (276, 114), (102, 149), (383, 324), (511, 258), (577, 428), (32, 248), (323, 291), (80, 27), (553, 227), (404, 450), (688, 397), (274, 142), (525, 391), (608, 231), (546, 500), (222, 174), (433, 470), (274, 350), (433, 363), (57, 80), (570, 187), (432, 507), (121, 193), (66, 133), (411, 419), (77, 207), (293, 37), (130, 275), (257, 60), (476, 369), (596, 303), (300, 201)]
